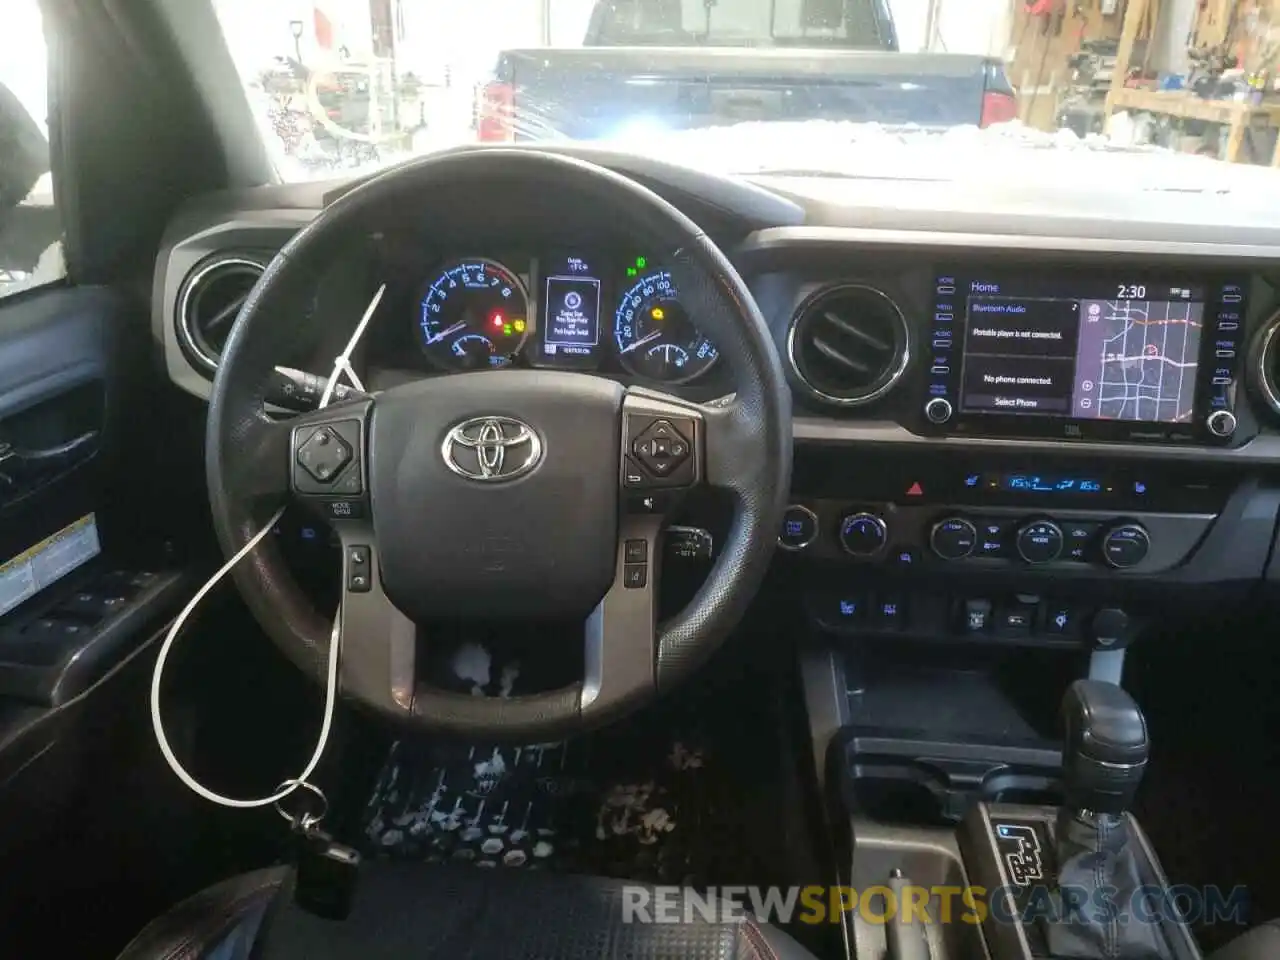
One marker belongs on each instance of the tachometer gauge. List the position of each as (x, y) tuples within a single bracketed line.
[(655, 337), (474, 315)]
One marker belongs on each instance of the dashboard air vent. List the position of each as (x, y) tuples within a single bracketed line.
[(848, 344), (1266, 369), (209, 304)]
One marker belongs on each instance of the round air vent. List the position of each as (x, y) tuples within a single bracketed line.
[(1266, 364), (209, 304), (848, 344)]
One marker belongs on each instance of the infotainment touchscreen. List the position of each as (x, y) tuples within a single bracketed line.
[(1084, 354), (1122, 351)]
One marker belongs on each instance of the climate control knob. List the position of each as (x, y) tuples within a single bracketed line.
[(1039, 541), (863, 534), (1125, 545), (953, 538)]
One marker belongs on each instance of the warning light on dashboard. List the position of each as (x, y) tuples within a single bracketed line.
[(497, 321), (658, 313), (915, 490), (518, 326)]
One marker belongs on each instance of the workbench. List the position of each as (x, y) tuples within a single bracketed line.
[(1235, 115)]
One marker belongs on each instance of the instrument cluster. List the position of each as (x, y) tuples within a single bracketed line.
[(566, 311)]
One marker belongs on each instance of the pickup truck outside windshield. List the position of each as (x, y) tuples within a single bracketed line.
[(1131, 94), (740, 23)]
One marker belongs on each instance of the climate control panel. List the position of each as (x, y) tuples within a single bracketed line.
[(1062, 541), (1040, 540)]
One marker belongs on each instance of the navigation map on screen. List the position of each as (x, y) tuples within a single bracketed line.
[(1137, 359)]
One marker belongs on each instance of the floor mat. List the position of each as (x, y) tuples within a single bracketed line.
[(683, 793), (549, 806)]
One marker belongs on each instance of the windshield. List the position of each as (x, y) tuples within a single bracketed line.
[(1122, 94)]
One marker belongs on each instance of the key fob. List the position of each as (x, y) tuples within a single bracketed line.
[(326, 877)]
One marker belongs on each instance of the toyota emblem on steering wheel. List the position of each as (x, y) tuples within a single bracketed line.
[(491, 449)]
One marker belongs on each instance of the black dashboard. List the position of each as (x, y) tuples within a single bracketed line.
[(1009, 402)]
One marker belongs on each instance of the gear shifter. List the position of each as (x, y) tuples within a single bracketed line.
[(1104, 757), (1105, 753)]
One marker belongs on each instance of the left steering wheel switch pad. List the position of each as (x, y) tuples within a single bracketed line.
[(326, 460)]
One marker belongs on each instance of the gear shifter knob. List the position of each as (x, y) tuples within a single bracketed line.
[(1106, 747)]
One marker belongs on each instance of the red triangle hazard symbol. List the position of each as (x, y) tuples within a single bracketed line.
[(915, 490)]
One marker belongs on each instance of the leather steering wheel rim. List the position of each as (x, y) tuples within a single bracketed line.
[(743, 445)]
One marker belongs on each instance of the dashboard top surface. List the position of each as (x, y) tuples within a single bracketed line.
[(792, 239)]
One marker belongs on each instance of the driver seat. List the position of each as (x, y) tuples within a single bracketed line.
[(410, 911)]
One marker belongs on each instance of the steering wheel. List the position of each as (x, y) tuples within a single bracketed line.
[(517, 494)]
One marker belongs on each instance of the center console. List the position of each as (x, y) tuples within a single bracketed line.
[(1073, 880)]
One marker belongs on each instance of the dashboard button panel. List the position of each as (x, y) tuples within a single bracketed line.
[(911, 539), (978, 618)]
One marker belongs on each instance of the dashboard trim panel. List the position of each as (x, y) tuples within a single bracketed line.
[(773, 239), (1263, 449)]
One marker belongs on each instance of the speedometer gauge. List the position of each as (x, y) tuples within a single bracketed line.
[(655, 337), (474, 315)]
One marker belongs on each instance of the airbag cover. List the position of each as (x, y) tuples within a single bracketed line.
[(528, 541)]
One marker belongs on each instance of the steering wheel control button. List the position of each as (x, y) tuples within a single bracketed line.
[(342, 509), (863, 534), (799, 528), (661, 448), (324, 454), (649, 504), (661, 453), (359, 574), (636, 551), (1040, 541), (632, 475), (938, 410), (1125, 546), (635, 575), (326, 460), (953, 538), (349, 483)]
